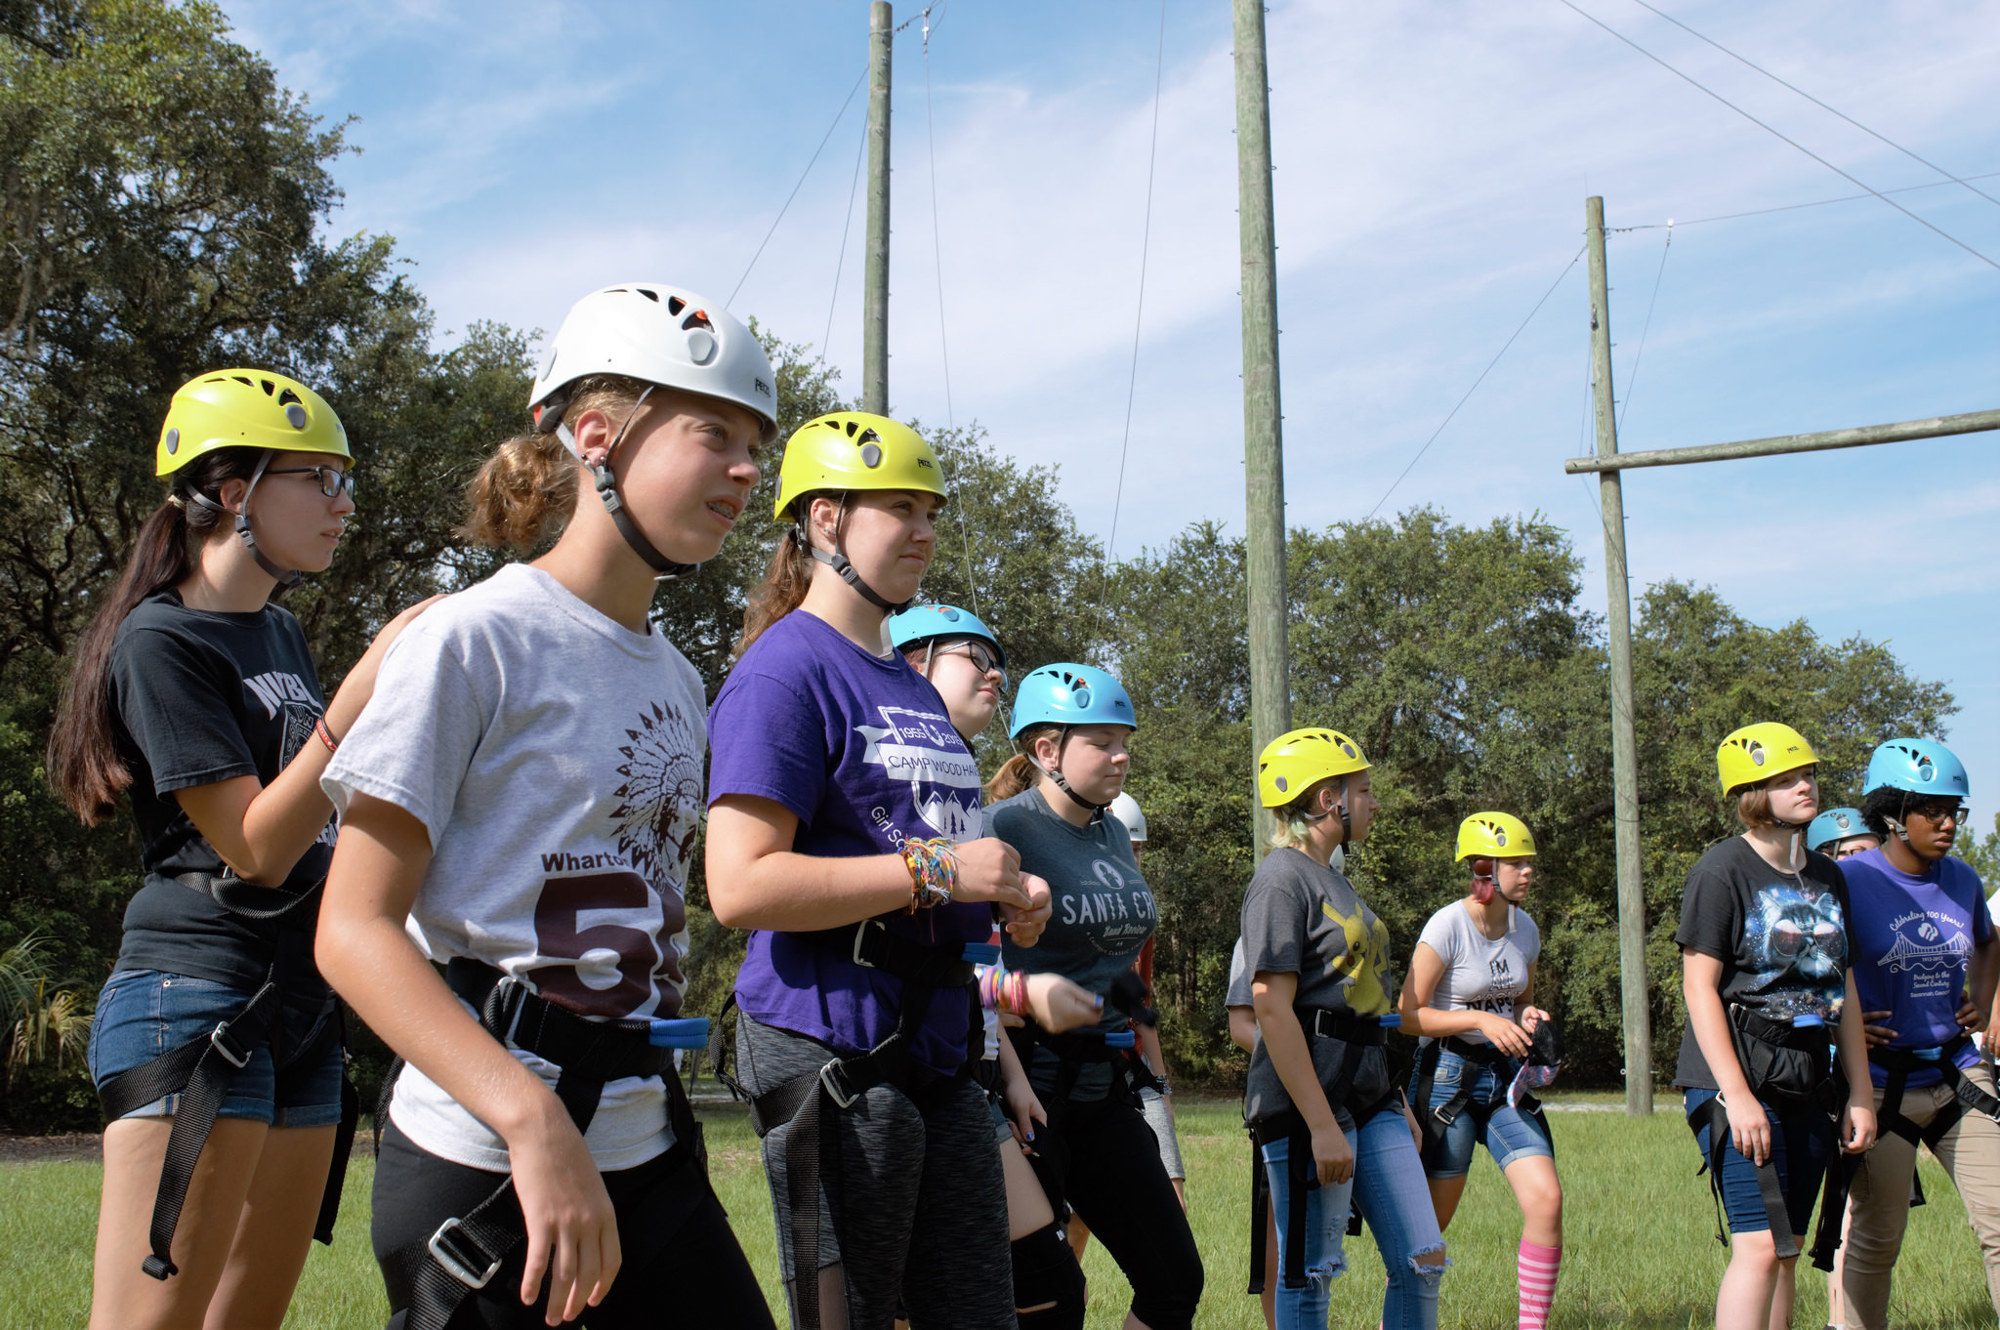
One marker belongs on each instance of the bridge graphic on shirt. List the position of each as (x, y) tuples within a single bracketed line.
[(1907, 955)]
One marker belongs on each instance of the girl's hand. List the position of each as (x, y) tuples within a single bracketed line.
[(1877, 1034), (1025, 924), (1857, 1125), (989, 869), (1970, 1017), (1060, 1004), (1024, 1110), (1504, 1035), (572, 1228), (1750, 1129), (1333, 1157), (1532, 1017)]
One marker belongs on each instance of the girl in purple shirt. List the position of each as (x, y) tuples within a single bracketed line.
[(845, 831)]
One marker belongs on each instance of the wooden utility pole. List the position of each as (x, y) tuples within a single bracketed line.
[(1634, 987), (1263, 430), (875, 297), (1860, 436)]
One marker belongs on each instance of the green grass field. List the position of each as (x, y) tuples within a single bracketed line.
[(1639, 1247)]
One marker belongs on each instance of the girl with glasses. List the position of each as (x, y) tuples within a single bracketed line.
[(1926, 963), (1765, 970)]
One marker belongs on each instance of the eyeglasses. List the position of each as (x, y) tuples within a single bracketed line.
[(332, 480), (1941, 813), (982, 659)]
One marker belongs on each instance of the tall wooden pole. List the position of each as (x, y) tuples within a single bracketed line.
[(875, 298), (1634, 987), (1263, 431)]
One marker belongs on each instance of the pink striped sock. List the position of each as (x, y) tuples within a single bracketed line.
[(1538, 1268)]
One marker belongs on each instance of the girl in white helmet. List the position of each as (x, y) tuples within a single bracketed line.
[(845, 829), (521, 801), (215, 1038), (1467, 994), (964, 662), (1764, 940)]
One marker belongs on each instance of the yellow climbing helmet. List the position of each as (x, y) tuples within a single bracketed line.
[(1495, 836), (1297, 759), (246, 408), (854, 450), (1758, 752)]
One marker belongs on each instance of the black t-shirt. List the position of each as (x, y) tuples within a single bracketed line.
[(199, 697), (1782, 939)]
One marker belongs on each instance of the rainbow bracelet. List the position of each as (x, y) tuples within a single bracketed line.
[(933, 872)]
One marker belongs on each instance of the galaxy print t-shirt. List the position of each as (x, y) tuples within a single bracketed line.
[(1782, 939)]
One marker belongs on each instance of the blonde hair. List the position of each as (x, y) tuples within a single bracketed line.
[(1295, 820), (525, 494)]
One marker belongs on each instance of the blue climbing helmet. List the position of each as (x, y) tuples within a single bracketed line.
[(1921, 766), (1069, 695), (924, 623), (1835, 824)]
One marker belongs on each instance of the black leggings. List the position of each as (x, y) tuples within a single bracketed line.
[(1103, 1159), (681, 1261)]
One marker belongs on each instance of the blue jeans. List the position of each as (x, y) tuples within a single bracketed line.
[(1395, 1201), (1507, 1133)]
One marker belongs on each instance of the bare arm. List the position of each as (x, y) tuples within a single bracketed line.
[(261, 831), (756, 879), (1243, 1027), (1272, 993), (1851, 1043), (1420, 1018), (365, 954)]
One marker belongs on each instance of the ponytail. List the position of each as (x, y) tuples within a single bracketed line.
[(84, 766), (783, 588), (525, 494), (1020, 772)]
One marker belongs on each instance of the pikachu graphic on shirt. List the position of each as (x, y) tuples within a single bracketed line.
[(1367, 957)]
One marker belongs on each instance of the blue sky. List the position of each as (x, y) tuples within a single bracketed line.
[(1432, 164)]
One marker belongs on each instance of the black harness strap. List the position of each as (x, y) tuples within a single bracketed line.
[(1897, 1064), (464, 1254), (1356, 1035), (812, 1144), (199, 1071)]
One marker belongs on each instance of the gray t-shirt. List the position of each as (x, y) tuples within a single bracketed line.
[(1300, 918), (1102, 912), (555, 759), (1479, 973)]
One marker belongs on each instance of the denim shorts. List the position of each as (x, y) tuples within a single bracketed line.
[(144, 1013), (1507, 1133), (1802, 1141)]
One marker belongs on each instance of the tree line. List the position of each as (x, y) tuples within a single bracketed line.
[(167, 208)]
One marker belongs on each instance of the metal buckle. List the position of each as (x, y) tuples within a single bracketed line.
[(829, 1076), (457, 1265), (225, 1043), (860, 936)]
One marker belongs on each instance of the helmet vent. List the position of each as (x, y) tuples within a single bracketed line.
[(270, 388), (173, 442), (674, 303), (243, 379), (653, 296), (297, 415), (288, 396), (698, 319)]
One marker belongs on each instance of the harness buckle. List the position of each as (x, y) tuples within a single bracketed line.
[(460, 1254), (861, 940), (224, 1042), (832, 1080)]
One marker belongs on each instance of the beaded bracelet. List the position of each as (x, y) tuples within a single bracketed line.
[(1004, 990), (933, 872)]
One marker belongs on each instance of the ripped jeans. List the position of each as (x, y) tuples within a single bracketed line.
[(1395, 1201)]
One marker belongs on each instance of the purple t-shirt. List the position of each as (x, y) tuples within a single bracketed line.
[(1913, 938), (861, 750)]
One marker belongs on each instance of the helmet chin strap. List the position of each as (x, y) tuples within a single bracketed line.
[(285, 577), (1055, 774), (836, 559), (664, 569)]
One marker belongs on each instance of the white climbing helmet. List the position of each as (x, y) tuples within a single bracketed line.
[(657, 334), (1126, 809)]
